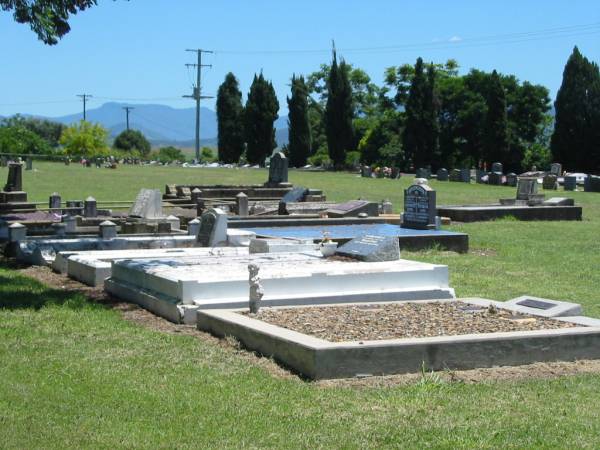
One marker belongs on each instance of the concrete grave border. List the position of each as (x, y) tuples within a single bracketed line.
[(320, 359)]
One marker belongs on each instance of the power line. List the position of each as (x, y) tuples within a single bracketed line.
[(549, 33), (84, 97), (197, 92)]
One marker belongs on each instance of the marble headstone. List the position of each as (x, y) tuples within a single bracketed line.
[(148, 204)]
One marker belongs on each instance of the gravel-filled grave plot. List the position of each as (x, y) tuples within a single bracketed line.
[(401, 320)]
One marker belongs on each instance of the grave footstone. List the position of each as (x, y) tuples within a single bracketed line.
[(442, 175), (242, 204), (278, 169), (147, 205), (386, 207), (193, 227), (353, 209), (108, 230), (195, 195), (371, 248), (70, 223), (173, 222), (17, 232), (213, 228), (419, 207)]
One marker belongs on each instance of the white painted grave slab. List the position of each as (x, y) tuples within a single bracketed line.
[(287, 279), (93, 267)]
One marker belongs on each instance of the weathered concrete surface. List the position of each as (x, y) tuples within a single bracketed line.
[(319, 359), (477, 213)]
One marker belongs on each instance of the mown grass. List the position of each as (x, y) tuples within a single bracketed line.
[(74, 374)]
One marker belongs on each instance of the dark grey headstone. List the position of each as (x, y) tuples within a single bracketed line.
[(526, 187), (395, 173), (207, 225), (495, 178), (366, 172), (497, 167), (14, 182), (511, 179), (423, 173), (592, 183), (371, 248), (419, 207), (570, 183), (278, 169), (442, 175), (465, 175)]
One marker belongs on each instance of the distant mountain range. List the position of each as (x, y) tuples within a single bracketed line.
[(162, 125)]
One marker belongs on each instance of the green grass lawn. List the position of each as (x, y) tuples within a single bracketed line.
[(75, 374)]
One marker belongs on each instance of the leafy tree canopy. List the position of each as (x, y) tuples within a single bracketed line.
[(132, 140), (47, 18), (85, 139)]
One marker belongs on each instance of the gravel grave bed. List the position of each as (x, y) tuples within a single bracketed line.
[(401, 320)]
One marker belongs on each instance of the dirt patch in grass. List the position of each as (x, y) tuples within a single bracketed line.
[(135, 314), (483, 252)]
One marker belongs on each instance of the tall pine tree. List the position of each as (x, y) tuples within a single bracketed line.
[(230, 116), (431, 125), (260, 113), (414, 138), (339, 113), (572, 142), (495, 133), (298, 123)]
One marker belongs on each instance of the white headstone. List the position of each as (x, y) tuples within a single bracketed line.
[(148, 204)]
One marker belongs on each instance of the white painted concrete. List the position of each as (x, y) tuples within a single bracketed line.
[(287, 279), (93, 267)]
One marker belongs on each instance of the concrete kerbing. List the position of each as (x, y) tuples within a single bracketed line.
[(319, 359)]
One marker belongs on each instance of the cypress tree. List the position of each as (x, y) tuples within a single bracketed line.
[(495, 131), (298, 123), (431, 125), (260, 113), (414, 138), (593, 111), (230, 114), (339, 113), (568, 143)]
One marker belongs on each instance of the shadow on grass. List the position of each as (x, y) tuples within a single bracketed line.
[(18, 292)]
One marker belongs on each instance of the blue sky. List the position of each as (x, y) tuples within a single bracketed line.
[(135, 49)]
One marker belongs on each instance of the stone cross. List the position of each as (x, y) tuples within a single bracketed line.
[(256, 289), (278, 169)]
